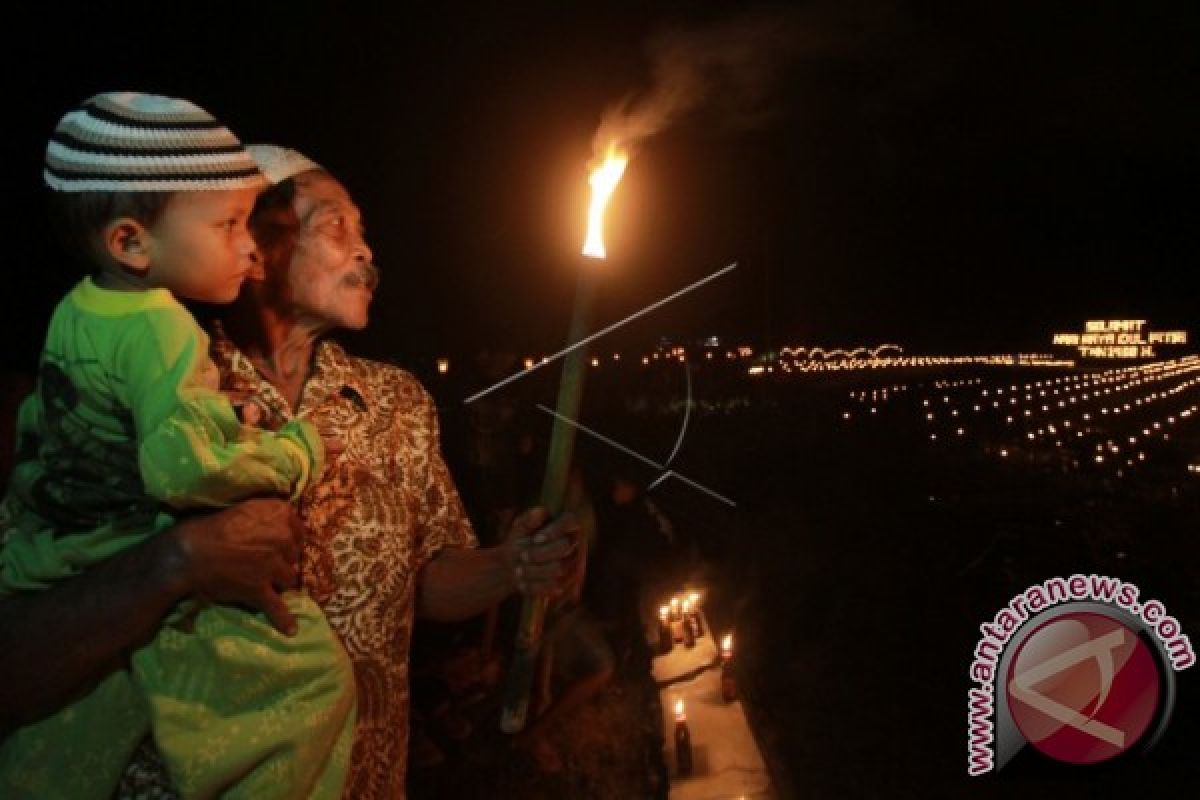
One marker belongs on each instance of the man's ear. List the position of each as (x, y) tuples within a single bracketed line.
[(127, 242)]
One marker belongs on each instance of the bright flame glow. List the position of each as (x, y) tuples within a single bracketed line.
[(727, 645), (603, 180), (679, 715)]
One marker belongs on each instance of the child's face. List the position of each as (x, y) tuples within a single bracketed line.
[(199, 248)]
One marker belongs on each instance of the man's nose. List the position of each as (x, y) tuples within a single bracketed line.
[(362, 253)]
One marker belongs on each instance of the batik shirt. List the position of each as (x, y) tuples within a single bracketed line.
[(382, 509)]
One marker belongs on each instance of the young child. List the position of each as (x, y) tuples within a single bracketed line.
[(126, 425)]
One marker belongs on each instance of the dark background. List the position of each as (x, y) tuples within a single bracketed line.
[(953, 177)]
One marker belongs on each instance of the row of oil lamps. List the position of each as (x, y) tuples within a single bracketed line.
[(1123, 380), (1133, 376), (1079, 389), (681, 621)]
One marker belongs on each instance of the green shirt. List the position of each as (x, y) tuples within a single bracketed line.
[(127, 417)]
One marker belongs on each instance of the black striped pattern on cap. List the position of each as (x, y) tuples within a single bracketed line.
[(130, 142)]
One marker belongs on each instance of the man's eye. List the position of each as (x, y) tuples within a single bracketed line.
[(334, 225)]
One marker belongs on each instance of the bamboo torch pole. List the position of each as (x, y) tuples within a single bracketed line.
[(562, 442)]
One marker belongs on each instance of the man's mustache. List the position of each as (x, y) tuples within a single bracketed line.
[(366, 275)]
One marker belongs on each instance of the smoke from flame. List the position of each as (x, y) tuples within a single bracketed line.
[(732, 64)]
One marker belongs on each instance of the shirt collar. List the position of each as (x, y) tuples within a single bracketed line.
[(333, 371), (333, 368), (98, 300)]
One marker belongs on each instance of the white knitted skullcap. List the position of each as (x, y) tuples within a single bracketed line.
[(280, 163), (135, 142)]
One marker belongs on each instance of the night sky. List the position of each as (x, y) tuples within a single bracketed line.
[(952, 177)]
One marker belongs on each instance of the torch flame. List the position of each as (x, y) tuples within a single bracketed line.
[(603, 180)]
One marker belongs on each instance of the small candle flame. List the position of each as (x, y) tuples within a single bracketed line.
[(727, 645), (687, 605), (679, 715), (663, 612), (695, 598), (603, 180)]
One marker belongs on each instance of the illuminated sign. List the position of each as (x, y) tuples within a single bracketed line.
[(1118, 338)]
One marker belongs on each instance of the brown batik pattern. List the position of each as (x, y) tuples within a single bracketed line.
[(382, 509)]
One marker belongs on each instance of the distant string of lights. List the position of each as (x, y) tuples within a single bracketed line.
[(820, 353), (799, 365), (801, 359)]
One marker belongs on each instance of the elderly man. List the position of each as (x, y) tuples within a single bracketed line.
[(387, 535)]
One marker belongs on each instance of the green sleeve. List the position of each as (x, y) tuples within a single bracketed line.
[(193, 450), (28, 429)]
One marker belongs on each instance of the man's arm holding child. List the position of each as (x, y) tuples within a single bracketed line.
[(57, 642)]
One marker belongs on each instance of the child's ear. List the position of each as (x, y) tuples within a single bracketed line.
[(127, 242)]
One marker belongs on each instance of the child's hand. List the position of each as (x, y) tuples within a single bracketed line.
[(251, 414), (334, 447), (248, 407)]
